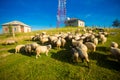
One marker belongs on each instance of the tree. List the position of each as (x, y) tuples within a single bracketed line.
[(11, 30), (116, 23)]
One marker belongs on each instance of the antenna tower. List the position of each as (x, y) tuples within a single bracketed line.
[(61, 13)]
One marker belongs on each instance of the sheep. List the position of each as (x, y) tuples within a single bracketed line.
[(103, 40), (43, 33), (76, 43), (101, 35), (82, 50), (28, 49), (44, 40), (95, 41), (79, 52), (58, 43), (83, 47), (19, 48), (114, 44), (115, 52), (33, 46), (42, 49), (91, 46), (75, 54), (9, 42), (52, 38), (63, 41)]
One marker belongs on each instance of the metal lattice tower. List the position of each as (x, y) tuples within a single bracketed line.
[(61, 13)]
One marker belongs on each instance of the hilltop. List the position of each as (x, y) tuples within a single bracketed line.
[(58, 65)]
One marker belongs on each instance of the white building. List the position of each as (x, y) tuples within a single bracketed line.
[(17, 26), (74, 22)]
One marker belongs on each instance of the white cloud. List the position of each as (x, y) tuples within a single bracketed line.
[(88, 15)]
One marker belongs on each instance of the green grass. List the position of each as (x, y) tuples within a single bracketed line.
[(58, 65)]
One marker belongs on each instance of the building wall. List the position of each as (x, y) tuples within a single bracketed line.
[(81, 23), (27, 29), (16, 28), (76, 23), (5, 29)]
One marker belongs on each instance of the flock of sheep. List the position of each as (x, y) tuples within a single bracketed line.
[(80, 43)]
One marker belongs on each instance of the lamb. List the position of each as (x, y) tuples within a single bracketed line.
[(114, 44), (19, 48), (42, 49), (115, 52), (91, 46)]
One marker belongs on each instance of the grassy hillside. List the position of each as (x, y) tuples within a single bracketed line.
[(58, 65)]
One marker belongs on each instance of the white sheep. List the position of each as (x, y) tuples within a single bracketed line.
[(95, 41), (19, 48), (115, 52), (58, 43), (82, 50), (103, 40), (75, 54), (76, 43), (8, 42), (91, 46), (52, 38), (63, 41), (42, 49), (34, 46), (28, 49), (114, 44), (44, 39)]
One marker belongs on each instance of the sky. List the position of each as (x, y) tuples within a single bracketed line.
[(41, 14)]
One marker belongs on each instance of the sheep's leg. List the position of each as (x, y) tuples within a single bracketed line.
[(87, 60), (47, 53), (94, 49), (82, 60), (39, 55), (76, 59), (36, 56), (16, 51), (88, 64)]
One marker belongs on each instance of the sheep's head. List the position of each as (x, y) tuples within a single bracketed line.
[(49, 47)]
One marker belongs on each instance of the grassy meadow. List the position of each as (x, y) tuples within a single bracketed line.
[(57, 65)]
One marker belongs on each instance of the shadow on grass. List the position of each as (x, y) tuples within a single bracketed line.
[(102, 48), (11, 51), (62, 55), (66, 57), (105, 61)]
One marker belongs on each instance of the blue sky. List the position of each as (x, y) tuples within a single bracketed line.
[(41, 14)]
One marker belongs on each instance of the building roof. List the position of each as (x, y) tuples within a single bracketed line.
[(73, 19), (16, 23)]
